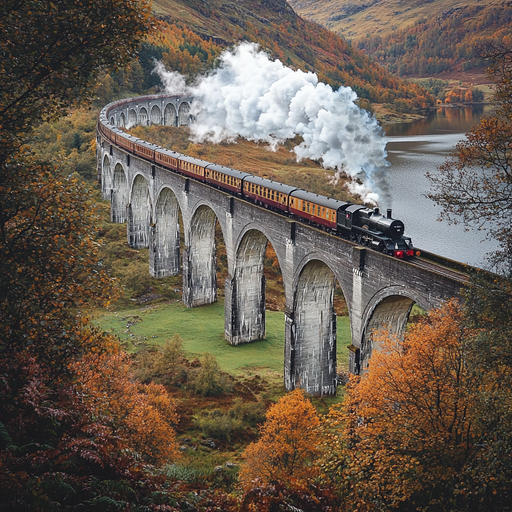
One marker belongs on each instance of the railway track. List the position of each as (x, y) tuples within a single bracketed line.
[(440, 269)]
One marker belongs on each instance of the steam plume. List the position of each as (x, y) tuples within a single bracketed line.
[(250, 96)]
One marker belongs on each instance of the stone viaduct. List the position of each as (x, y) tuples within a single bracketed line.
[(379, 290)]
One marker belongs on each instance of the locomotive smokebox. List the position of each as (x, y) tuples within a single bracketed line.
[(389, 213)]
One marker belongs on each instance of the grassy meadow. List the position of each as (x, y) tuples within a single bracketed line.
[(202, 330)]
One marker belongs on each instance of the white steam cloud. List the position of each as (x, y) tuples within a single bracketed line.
[(250, 96)]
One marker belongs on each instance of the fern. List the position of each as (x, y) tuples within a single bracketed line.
[(5, 438), (106, 502)]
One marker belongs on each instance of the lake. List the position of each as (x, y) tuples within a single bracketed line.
[(415, 148)]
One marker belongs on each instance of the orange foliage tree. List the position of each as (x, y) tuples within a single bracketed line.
[(289, 443), (143, 415), (408, 423)]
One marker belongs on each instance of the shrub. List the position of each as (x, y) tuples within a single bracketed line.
[(210, 381), (250, 412), (169, 364), (218, 424)]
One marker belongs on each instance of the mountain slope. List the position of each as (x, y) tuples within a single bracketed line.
[(416, 38), (355, 19), (451, 42), (296, 42)]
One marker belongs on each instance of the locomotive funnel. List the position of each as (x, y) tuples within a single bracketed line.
[(389, 213)]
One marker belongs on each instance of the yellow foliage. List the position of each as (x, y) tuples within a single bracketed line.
[(289, 443)]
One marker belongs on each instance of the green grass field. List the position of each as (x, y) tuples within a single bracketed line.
[(202, 330)]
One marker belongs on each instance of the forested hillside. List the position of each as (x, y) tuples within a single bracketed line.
[(415, 38), (451, 42), (192, 34)]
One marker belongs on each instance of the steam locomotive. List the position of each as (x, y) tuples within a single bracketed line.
[(357, 223)]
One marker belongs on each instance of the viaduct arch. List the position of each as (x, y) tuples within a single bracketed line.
[(379, 290)]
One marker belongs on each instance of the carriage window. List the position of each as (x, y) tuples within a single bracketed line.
[(272, 195), (303, 206)]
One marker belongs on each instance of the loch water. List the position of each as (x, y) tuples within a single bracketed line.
[(420, 147)]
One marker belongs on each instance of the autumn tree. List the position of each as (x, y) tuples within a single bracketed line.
[(485, 482), (52, 53), (58, 449), (408, 426), (428, 426), (210, 380), (289, 442), (474, 187), (142, 415), (170, 362)]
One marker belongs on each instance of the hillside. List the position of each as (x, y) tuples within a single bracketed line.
[(275, 26), (355, 19), (416, 38)]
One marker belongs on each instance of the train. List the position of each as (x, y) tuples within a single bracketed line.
[(358, 223)]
